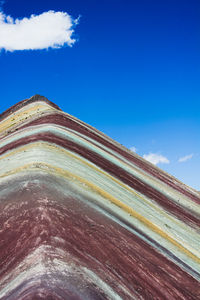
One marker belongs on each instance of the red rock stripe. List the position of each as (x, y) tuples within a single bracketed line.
[(65, 121), (124, 257), (112, 169), (25, 102)]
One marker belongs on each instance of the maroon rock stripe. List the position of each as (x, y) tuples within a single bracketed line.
[(124, 259), (25, 102), (117, 172), (63, 120)]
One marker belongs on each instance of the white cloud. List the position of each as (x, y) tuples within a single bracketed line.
[(185, 158), (133, 149), (49, 29), (155, 158)]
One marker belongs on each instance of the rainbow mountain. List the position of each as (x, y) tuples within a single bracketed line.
[(82, 217)]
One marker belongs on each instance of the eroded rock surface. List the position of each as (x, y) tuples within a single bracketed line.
[(82, 217)]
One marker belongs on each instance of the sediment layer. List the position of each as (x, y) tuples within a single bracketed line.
[(82, 217)]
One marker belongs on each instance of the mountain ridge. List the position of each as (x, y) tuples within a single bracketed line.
[(71, 196)]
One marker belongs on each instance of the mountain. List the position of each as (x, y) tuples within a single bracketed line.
[(82, 217)]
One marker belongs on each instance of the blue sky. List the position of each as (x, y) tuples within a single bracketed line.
[(133, 72)]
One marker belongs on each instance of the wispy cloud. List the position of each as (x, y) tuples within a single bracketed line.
[(186, 157), (48, 30), (155, 158), (133, 149)]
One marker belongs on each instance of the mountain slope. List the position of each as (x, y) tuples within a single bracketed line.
[(82, 217)]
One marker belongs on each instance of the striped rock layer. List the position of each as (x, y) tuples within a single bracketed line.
[(82, 217)]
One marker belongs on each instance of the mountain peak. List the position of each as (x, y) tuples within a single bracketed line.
[(84, 218)]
